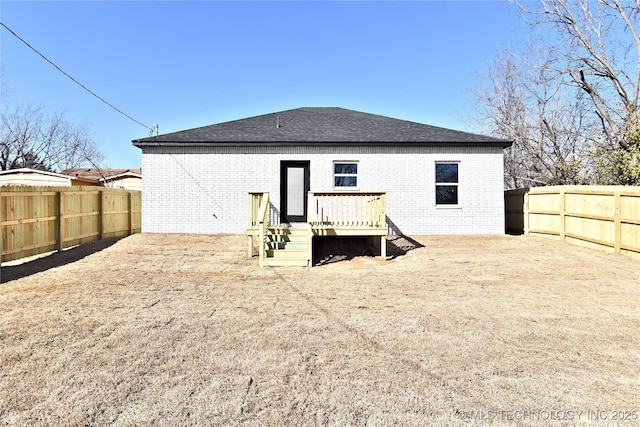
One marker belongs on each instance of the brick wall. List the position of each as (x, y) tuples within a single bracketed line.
[(204, 189)]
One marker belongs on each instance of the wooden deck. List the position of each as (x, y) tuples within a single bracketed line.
[(330, 213)]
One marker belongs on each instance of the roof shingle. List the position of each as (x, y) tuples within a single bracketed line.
[(320, 126)]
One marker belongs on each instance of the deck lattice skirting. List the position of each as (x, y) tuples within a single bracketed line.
[(329, 213)]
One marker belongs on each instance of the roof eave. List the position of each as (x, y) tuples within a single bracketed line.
[(496, 143)]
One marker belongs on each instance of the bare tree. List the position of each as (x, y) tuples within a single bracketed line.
[(31, 138), (597, 45), (569, 99), (527, 102), (600, 44)]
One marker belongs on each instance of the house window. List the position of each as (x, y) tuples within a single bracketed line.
[(345, 174), (446, 183)]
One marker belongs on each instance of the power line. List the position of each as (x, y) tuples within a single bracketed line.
[(152, 129)]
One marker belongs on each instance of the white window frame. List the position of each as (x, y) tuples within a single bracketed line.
[(345, 175), (457, 205)]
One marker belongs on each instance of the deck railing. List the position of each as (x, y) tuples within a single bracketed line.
[(256, 200), (347, 209), (258, 220), (328, 209)]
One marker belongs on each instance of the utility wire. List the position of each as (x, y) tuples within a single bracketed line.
[(152, 129)]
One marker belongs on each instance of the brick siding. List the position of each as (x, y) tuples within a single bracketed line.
[(203, 190)]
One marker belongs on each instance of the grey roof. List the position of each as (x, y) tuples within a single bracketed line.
[(320, 126)]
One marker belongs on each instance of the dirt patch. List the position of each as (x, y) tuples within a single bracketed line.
[(454, 330)]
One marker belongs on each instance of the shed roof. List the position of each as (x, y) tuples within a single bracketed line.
[(34, 177), (23, 171), (320, 126)]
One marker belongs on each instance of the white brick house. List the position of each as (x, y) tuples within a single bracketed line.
[(437, 181)]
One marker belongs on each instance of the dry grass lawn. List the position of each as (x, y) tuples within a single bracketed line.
[(184, 330)]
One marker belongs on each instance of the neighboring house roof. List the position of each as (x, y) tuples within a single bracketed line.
[(320, 126), (102, 174), (27, 176), (126, 174)]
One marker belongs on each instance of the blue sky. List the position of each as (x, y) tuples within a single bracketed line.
[(186, 64)]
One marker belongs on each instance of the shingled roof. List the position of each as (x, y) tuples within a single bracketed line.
[(320, 126)]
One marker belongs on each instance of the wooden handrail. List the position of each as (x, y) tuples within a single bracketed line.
[(258, 219), (263, 210)]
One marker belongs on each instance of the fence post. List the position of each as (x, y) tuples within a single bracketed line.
[(60, 220), (617, 228), (130, 200), (525, 209), (562, 193), (101, 204)]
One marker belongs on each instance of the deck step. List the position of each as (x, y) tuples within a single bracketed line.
[(286, 238), (286, 262), (286, 246), (287, 253), (292, 236)]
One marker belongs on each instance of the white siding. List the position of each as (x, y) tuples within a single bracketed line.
[(35, 179), (204, 190), (130, 183)]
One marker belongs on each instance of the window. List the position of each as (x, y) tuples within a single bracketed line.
[(345, 174), (446, 183)]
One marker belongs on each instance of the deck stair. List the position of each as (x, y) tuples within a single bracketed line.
[(286, 246)]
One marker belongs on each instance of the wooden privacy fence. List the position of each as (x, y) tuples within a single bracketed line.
[(36, 220), (606, 217)]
